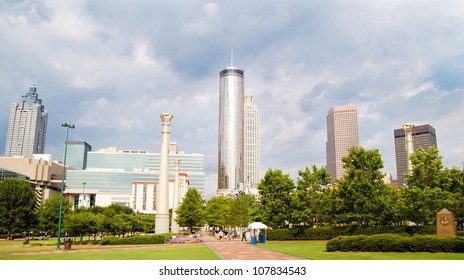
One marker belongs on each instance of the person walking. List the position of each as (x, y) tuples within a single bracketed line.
[(244, 235)]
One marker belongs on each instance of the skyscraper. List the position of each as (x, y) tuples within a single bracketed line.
[(230, 136), (251, 143), (342, 134), (422, 136), (27, 126)]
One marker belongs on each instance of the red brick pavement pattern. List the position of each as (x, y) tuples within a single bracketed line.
[(237, 250)]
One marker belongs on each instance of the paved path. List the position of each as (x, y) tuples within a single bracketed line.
[(237, 250)]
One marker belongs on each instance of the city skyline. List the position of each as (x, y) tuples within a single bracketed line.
[(112, 69)]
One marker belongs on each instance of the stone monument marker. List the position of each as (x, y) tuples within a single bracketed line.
[(445, 223)]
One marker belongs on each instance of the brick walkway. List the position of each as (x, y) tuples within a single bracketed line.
[(237, 250)]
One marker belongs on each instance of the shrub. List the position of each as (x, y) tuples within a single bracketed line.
[(137, 239), (327, 233), (396, 243)]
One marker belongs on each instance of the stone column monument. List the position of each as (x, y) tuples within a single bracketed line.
[(176, 197), (445, 223), (162, 199)]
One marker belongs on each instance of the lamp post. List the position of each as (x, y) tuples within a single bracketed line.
[(63, 174), (83, 193)]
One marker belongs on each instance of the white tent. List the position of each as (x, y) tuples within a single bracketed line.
[(257, 225)]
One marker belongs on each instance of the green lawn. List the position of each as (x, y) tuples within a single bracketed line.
[(98, 252), (315, 250)]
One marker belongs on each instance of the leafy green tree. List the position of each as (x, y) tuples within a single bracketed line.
[(426, 169), (191, 212), (275, 196), (307, 199), (241, 210), (17, 206), (48, 213), (81, 223), (423, 204), (361, 187), (217, 211)]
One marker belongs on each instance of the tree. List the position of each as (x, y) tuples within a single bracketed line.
[(426, 169), (307, 199), (81, 222), (361, 187), (432, 188), (217, 211), (48, 213), (191, 212), (275, 196), (17, 206), (241, 210)]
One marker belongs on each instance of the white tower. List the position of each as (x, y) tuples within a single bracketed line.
[(162, 199)]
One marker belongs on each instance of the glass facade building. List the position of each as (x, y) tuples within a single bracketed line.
[(27, 126), (230, 135), (76, 155), (110, 174)]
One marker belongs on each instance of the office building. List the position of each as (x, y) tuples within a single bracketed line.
[(251, 143), (342, 134), (27, 126), (230, 135), (111, 173), (76, 155), (422, 136)]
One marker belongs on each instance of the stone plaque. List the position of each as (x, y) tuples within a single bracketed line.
[(445, 223)]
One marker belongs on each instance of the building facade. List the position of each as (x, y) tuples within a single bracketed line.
[(251, 143), (76, 155), (342, 134), (27, 126), (111, 173), (422, 136), (230, 135)]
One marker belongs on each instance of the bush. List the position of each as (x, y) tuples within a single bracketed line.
[(396, 243), (137, 239), (327, 233)]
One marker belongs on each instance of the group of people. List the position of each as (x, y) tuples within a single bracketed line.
[(230, 235)]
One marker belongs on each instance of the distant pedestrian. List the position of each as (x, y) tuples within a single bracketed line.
[(244, 235), (221, 234)]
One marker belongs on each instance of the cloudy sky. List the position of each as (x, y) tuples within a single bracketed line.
[(111, 68)]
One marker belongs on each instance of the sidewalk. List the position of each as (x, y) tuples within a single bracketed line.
[(238, 250)]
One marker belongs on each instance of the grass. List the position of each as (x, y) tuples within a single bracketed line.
[(98, 252), (315, 250)]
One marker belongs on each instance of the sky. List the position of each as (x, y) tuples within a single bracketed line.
[(112, 67)]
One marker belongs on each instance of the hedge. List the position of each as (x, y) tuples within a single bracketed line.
[(327, 233), (138, 239), (397, 243)]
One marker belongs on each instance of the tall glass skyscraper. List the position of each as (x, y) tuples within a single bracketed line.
[(230, 138), (342, 134), (251, 143), (27, 126)]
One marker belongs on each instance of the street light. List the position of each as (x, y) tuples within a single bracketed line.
[(63, 174)]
